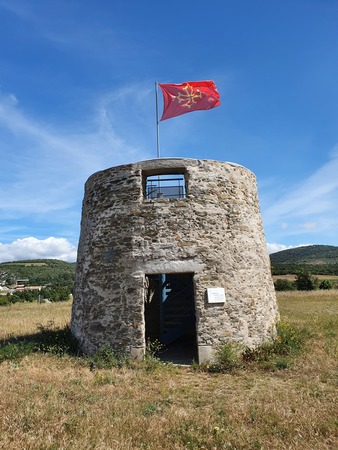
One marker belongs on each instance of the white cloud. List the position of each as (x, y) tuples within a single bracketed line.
[(318, 194), (32, 248), (309, 207), (309, 225), (273, 248)]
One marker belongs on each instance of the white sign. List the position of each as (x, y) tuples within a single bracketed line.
[(215, 295)]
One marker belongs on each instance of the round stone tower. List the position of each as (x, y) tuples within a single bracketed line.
[(172, 249)]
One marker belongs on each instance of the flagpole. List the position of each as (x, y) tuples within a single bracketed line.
[(157, 121)]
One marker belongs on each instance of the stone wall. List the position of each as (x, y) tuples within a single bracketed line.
[(215, 233)]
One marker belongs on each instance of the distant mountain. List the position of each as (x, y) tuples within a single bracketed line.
[(38, 272), (317, 259)]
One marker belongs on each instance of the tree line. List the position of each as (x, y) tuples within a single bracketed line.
[(304, 281), (289, 268), (51, 294)]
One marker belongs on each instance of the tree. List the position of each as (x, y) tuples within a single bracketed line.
[(306, 282), (284, 285), (325, 284)]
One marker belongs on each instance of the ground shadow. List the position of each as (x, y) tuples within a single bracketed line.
[(183, 351), (54, 340)]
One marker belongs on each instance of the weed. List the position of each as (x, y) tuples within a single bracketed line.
[(256, 445), (227, 358), (16, 350), (331, 343), (106, 358), (289, 341), (151, 360), (48, 392), (155, 407), (282, 363), (192, 435), (71, 425), (270, 356), (102, 379), (154, 348), (151, 408)]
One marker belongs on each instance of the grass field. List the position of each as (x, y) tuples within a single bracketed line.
[(60, 402)]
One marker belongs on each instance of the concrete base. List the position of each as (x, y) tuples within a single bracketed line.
[(205, 354), (137, 353)]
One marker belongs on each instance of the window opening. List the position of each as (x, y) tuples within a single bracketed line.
[(165, 186)]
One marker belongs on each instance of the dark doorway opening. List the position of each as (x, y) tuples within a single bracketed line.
[(170, 316)]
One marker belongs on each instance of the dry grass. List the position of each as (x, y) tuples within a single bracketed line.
[(23, 318), (49, 402)]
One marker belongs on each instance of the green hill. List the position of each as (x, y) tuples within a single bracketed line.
[(317, 259), (38, 272)]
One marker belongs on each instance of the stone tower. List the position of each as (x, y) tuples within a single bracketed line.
[(172, 249)]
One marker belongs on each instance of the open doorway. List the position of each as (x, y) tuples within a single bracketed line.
[(170, 316)]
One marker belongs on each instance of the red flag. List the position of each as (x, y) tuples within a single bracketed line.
[(187, 97)]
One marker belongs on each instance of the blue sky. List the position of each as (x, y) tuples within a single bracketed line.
[(77, 96)]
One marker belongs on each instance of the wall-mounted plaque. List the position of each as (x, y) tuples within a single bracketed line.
[(215, 295)]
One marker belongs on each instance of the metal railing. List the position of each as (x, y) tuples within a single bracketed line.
[(165, 187)]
